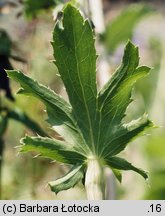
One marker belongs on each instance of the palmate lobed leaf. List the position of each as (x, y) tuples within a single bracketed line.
[(92, 123)]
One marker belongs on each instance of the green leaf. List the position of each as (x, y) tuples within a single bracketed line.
[(18, 115), (115, 96), (51, 148), (75, 58), (92, 123), (69, 180), (117, 91), (121, 28), (70, 134), (117, 174), (30, 87), (122, 164), (124, 134), (59, 111)]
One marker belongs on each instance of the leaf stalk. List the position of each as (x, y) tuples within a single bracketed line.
[(94, 180)]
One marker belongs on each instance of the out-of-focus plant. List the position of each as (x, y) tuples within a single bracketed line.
[(8, 112), (91, 125), (14, 113), (156, 155), (120, 29), (154, 146), (5, 50), (32, 8), (147, 88)]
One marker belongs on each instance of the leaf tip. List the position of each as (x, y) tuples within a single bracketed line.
[(24, 140), (129, 45), (52, 187)]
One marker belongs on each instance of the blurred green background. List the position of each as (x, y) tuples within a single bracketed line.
[(30, 29)]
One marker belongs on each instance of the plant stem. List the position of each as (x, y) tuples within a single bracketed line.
[(94, 180)]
